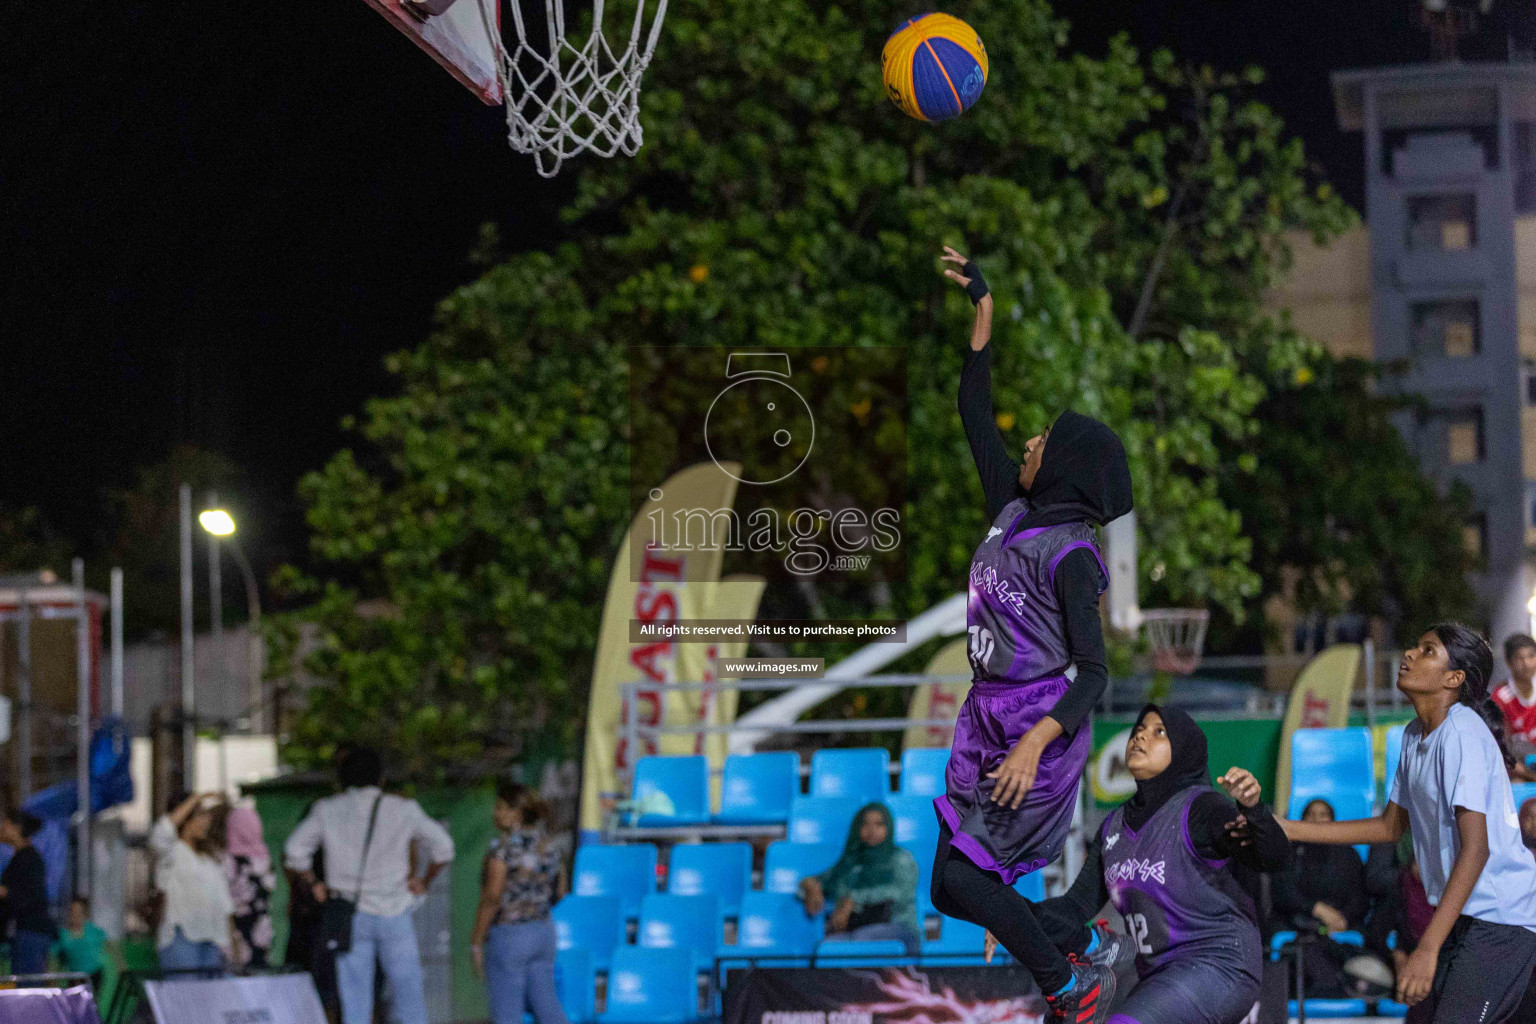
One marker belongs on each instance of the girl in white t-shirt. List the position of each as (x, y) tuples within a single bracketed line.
[(196, 930), (1452, 793)]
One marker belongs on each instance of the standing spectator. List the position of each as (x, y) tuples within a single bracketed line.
[(24, 896), (372, 866), (872, 887), (188, 844), (81, 943), (1516, 697), (513, 943), (248, 867)]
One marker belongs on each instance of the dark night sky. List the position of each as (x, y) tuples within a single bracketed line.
[(219, 217)]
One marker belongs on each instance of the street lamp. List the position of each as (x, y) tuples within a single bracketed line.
[(219, 523), (1530, 610)]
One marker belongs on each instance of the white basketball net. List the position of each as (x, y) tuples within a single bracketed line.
[(563, 99), (1175, 638)]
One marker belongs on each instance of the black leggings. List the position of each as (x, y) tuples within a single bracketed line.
[(1035, 939)]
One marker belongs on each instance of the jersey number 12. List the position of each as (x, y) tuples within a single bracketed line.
[(1136, 924)]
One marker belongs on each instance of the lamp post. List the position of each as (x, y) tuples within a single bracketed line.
[(1530, 610), (220, 524)]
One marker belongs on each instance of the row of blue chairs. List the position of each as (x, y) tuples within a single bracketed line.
[(680, 938), (761, 789)]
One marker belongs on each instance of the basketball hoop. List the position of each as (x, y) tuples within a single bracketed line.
[(1175, 638), (563, 99)]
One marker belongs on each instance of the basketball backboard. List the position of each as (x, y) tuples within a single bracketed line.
[(459, 37)]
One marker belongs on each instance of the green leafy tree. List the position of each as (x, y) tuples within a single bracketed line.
[(1128, 215), (1337, 499)]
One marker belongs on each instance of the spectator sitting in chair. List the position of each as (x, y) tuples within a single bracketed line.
[(1325, 891), (1528, 823), (872, 887)]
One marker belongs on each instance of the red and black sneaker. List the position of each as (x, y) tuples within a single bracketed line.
[(1089, 999), (1112, 948)]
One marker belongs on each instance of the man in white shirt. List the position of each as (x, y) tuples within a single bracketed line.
[(385, 893)]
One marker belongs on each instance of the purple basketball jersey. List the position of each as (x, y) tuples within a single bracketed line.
[(1017, 632), (1176, 903), (1018, 652)]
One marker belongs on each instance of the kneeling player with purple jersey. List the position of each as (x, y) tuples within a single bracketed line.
[(1162, 859)]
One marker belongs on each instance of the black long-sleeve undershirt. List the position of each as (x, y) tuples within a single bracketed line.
[(1209, 816), (998, 470), (1079, 579)]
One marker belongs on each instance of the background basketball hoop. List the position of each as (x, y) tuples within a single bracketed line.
[(1175, 638)]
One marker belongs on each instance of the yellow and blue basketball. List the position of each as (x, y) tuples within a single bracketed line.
[(934, 67)]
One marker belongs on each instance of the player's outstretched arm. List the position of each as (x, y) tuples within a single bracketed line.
[(968, 276), (1386, 827), (998, 471)]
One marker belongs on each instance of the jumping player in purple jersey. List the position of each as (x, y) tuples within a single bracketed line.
[(1162, 859), (1452, 793), (1020, 746)]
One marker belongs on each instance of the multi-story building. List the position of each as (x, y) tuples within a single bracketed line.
[(1442, 277)]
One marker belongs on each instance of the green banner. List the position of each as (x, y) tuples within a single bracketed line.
[(1253, 744)]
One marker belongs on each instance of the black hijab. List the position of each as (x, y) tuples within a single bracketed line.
[(1083, 476), (1189, 766)]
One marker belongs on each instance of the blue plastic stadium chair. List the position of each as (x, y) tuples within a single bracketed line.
[(922, 771), (1031, 886), (774, 924), (863, 774), (724, 870), (1280, 940), (576, 985), (822, 819), (1322, 1008), (1388, 1008), (786, 863), (917, 825), (1334, 765), (757, 789), (859, 953), (684, 781), (1522, 791), (1394, 754), (692, 923), (651, 986), (628, 872), (591, 923), (959, 941)]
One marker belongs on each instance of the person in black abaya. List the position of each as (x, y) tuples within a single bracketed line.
[(1323, 890)]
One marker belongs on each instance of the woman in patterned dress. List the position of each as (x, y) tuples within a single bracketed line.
[(514, 939), (248, 866)]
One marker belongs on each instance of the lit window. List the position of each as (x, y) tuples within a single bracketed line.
[(1472, 536), (1464, 440), (1445, 223)]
